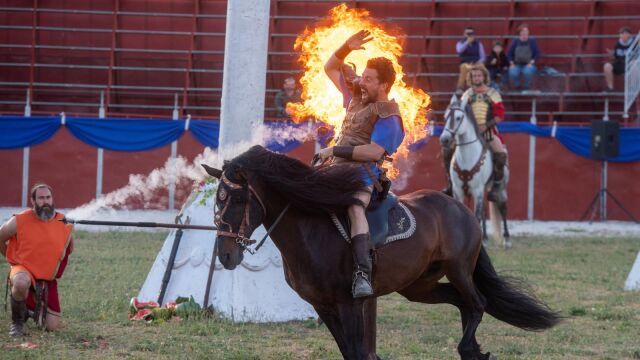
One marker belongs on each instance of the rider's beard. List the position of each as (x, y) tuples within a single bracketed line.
[(45, 212)]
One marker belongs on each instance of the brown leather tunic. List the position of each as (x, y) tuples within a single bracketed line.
[(360, 120)]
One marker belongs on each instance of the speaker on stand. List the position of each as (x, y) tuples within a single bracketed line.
[(605, 143)]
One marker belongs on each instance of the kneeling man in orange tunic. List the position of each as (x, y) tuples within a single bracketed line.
[(36, 245)]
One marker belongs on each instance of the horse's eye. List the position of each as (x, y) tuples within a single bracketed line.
[(222, 194)]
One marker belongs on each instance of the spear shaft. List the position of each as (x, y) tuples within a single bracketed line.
[(140, 224)]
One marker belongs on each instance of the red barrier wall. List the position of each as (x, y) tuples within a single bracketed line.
[(564, 183)]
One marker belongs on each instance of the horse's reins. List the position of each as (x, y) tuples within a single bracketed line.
[(455, 131), (465, 175), (239, 236)]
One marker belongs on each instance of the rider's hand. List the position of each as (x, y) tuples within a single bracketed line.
[(358, 39), (326, 153)]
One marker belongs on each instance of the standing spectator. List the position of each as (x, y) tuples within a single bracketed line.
[(289, 93), (497, 64), (471, 52), (523, 55), (618, 57)]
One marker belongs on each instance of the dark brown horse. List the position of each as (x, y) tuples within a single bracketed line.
[(256, 187)]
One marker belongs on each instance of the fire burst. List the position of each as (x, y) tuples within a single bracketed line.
[(321, 99)]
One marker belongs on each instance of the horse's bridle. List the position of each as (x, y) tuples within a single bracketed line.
[(239, 236), (455, 131)]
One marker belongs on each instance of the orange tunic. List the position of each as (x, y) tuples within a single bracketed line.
[(39, 246)]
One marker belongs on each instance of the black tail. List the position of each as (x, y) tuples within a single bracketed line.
[(508, 301)]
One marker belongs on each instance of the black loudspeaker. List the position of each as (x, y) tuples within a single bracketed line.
[(604, 139)]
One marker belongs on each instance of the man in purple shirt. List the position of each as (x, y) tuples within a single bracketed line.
[(371, 131), (471, 52)]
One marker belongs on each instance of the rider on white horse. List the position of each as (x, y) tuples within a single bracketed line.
[(488, 110)]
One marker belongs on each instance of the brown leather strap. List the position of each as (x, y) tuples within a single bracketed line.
[(467, 175), (376, 183)]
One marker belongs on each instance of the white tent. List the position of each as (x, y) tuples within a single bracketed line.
[(633, 280), (255, 291)]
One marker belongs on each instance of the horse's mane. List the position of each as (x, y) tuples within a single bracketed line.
[(314, 190)]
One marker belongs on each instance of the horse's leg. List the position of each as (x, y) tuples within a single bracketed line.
[(331, 319), (441, 293), (503, 212), (370, 327), (475, 303), (480, 215), (356, 325)]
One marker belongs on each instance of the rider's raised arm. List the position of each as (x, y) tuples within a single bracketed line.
[(333, 67)]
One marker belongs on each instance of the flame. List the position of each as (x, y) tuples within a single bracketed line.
[(321, 99)]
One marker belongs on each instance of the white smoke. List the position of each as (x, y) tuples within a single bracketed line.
[(144, 188)]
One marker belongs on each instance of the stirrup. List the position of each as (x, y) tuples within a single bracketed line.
[(361, 286)]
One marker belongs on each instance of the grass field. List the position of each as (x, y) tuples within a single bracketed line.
[(581, 277)]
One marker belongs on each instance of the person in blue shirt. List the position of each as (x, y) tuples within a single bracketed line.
[(371, 131), (523, 55)]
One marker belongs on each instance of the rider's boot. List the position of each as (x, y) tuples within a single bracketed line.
[(18, 310), (447, 155), (499, 162), (361, 249)]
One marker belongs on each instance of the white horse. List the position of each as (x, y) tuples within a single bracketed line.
[(471, 169)]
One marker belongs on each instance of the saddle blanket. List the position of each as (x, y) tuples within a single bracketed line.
[(386, 223)]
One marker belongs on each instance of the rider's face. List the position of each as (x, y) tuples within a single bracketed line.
[(371, 86), (477, 78)]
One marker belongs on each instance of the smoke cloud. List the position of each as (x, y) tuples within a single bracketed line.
[(144, 188)]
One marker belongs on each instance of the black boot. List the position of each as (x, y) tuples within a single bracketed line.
[(447, 155), (361, 248), (18, 310), (499, 162)]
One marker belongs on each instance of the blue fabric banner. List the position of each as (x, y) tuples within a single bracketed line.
[(125, 134), (206, 132), (20, 131), (139, 135)]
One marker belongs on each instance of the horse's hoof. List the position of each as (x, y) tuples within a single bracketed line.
[(508, 245), (485, 243)]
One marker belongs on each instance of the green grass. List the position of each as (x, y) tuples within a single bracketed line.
[(582, 277)]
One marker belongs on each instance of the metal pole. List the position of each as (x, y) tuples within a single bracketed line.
[(174, 154), (140, 224), (603, 171), (100, 160), (532, 163), (25, 157)]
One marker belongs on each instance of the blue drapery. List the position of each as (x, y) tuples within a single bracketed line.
[(121, 134), (575, 139), (139, 135)]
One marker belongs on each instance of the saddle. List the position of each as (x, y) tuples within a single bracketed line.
[(389, 220)]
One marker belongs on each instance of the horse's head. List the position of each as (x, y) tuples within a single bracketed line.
[(238, 212), (457, 124)]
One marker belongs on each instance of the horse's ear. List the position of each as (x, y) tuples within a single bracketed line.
[(216, 173), (454, 99), (463, 105)]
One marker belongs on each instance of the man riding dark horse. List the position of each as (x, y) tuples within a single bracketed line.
[(371, 131), (487, 110)]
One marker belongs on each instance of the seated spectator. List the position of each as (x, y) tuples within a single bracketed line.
[(618, 56), (523, 55), (497, 64), (471, 52), (288, 94)]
